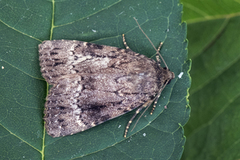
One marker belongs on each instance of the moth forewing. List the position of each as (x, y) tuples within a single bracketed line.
[(95, 83)]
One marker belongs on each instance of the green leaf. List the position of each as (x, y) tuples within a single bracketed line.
[(213, 130), (25, 24), (204, 10)]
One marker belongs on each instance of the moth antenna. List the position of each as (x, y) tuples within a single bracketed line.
[(152, 43)]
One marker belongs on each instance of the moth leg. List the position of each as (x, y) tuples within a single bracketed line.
[(157, 97), (145, 105), (158, 53), (160, 91), (124, 42), (155, 103)]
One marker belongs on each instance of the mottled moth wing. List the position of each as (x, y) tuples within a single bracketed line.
[(94, 83)]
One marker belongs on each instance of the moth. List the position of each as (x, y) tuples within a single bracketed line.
[(95, 83)]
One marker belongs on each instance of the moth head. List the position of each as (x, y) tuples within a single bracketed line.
[(168, 75)]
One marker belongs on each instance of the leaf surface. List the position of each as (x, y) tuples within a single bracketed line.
[(213, 129), (25, 24)]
